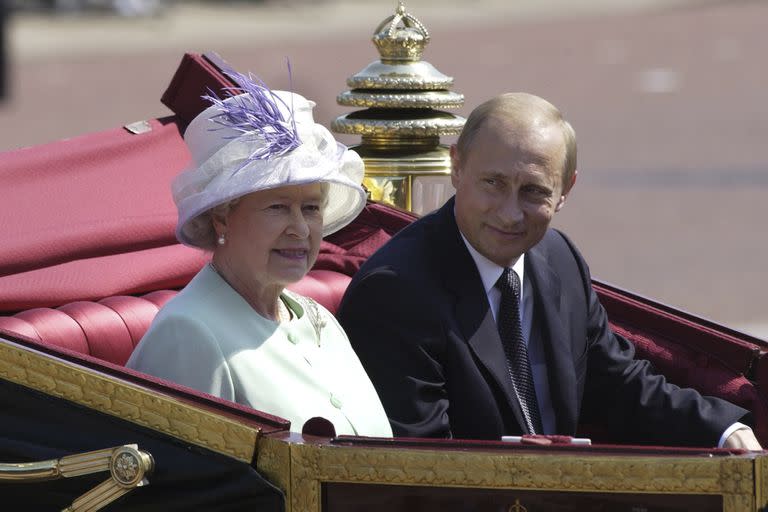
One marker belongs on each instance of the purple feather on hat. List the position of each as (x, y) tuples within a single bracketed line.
[(257, 116)]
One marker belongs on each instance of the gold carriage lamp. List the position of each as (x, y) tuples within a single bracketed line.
[(405, 164)]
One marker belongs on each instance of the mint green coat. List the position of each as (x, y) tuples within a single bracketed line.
[(209, 338)]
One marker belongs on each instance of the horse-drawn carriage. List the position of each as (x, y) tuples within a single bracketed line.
[(89, 257)]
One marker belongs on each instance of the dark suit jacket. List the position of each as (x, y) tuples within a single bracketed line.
[(419, 319)]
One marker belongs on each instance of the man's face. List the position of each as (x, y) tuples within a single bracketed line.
[(508, 188)]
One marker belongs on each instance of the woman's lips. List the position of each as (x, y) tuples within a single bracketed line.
[(292, 254)]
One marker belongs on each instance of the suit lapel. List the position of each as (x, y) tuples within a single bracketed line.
[(472, 312), (555, 338)]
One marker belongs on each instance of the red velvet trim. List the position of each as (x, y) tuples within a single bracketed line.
[(118, 274), (195, 76), (346, 250), (693, 355), (47, 227), (734, 349)]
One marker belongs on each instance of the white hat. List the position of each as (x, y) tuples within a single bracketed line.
[(259, 140)]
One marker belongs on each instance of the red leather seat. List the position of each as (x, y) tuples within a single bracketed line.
[(110, 328)]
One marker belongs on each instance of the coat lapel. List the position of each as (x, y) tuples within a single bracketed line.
[(472, 312), (555, 338)]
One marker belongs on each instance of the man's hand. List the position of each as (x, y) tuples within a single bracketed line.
[(743, 439)]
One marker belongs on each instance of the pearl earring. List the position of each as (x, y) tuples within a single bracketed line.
[(222, 239)]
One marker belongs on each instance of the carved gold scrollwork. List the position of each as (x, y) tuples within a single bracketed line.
[(732, 478), (419, 99), (761, 483), (128, 467), (738, 503), (401, 37), (127, 401), (448, 124), (305, 478), (273, 460)]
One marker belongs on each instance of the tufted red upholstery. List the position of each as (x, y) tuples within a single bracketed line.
[(110, 328), (691, 352)]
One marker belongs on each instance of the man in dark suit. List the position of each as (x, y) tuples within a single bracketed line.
[(479, 321)]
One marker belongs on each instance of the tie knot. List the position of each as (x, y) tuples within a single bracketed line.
[(509, 281)]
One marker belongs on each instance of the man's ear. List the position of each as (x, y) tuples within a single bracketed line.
[(455, 169), (561, 201)]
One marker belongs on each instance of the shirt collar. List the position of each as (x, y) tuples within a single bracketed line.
[(489, 271)]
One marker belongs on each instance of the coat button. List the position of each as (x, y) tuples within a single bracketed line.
[(335, 402)]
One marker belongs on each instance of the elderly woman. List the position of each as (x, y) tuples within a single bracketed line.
[(266, 184)]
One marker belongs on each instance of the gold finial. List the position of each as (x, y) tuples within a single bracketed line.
[(400, 37), (405, 163)]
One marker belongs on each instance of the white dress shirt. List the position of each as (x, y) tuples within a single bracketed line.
[(490, 274)]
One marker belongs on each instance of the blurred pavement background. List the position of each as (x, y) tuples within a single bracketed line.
[(668, 99)]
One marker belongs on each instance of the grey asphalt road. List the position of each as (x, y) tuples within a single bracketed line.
[(668, 100)]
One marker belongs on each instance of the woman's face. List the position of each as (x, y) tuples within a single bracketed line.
[(273, 236)]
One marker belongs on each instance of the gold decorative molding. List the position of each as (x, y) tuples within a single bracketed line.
[(127, 401), (401, 37), (402, 96), (731, 477), (444, 125), (416, 76), (761, 483), (305, 478), (738, 503), (273, 460), (419, 99)]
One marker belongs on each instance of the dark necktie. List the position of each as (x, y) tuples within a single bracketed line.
[(511, 332)]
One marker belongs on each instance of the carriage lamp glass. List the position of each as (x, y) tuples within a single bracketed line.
[(415, 192)]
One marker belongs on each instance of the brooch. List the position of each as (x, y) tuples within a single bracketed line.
[(317, 320)]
